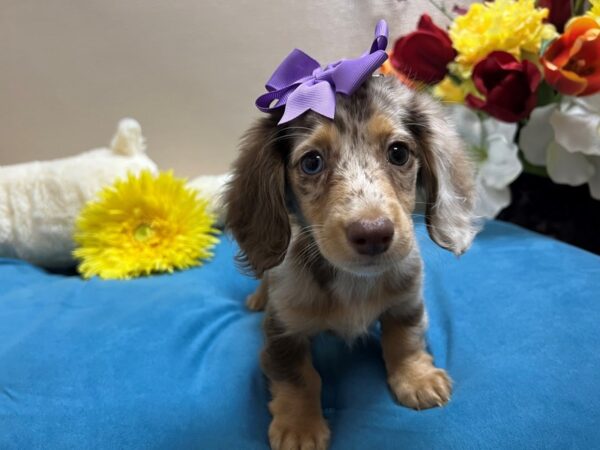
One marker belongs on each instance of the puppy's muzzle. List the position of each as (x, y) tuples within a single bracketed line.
[(370, 237)]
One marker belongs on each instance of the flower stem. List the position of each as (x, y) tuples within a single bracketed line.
[(531, 168), (578, 8)]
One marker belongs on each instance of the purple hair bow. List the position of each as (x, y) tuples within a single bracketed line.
[(300, 84)]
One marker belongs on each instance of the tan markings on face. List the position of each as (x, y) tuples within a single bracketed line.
[(358, 183), (311, 188), (380, 127)]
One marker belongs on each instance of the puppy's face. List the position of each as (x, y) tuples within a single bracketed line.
[(350, 182), (354, 181)]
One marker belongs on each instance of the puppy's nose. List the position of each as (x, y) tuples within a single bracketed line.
[(370, 237)]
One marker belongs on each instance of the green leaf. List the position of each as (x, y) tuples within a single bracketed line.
[(547, 95), (532, 169), (545, 44)]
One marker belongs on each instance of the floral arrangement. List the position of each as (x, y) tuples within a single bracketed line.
[(141, 225), (522, 80)]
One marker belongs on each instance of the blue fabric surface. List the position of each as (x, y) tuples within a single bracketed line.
[(172, 361)]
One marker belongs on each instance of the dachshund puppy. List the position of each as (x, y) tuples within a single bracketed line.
[(321, 209)]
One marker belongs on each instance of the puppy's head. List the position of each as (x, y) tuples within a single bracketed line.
[(351, 182)]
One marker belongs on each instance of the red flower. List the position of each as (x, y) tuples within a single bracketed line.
[(560, 12), (509, 87), (572, 62), (424, 54)]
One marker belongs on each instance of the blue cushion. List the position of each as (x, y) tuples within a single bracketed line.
[(172, 361)]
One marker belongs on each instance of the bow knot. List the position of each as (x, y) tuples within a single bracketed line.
[(300, 84)]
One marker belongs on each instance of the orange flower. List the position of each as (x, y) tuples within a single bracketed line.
[(388, 70), (572, 62)]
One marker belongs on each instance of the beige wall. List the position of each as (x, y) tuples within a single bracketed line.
[(188, 70)]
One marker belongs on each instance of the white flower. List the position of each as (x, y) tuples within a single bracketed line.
[(594, 182), (565, 137), (492, 144)]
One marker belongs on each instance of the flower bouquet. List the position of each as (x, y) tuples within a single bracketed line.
[(521, 79)]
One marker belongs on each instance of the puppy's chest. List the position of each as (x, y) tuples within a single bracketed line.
[(346, 309), (353, 319)]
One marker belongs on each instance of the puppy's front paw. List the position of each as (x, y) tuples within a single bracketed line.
[(420, 385), (293, 433), (257, 301)]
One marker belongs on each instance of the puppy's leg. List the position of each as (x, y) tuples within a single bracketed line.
[(413, 378), (258, 299), (298, 421)]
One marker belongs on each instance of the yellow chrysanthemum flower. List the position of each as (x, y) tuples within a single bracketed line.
[(448, 91), (141, 225), (595, 9), (513, 26)]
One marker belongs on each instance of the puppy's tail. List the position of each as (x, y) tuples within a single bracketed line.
[(128, 139)]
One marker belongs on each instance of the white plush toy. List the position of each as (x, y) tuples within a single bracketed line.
[(40, 201), (212, 188)]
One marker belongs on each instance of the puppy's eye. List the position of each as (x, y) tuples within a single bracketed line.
[(312, 163), (398, 153)]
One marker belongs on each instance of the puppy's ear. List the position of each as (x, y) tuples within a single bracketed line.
[(255, 199), (447, 176)]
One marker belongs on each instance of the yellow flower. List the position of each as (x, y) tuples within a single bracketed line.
[(513, 26), (449, 91), (141, 225), (595, 9)]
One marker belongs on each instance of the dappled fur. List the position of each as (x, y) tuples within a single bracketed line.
[(291, 229)]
